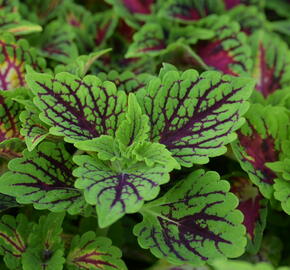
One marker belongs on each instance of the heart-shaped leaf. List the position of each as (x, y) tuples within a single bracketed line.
[(195, 222), (45, 247), (13, 239), (91, 252)]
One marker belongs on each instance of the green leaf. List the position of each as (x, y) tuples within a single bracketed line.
[(118, 187), (242, 265), (82, 64), (91, 252), (135, 128), (194, 115), (13, 239), (150, 39), (77, 109), (195, 222), (57, 42), (12, 22), (33, 129), (44, 178), (45, 247)]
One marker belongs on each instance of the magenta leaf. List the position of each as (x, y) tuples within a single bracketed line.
[(254, 208), (272, 67), (259, 142), (228, 51)]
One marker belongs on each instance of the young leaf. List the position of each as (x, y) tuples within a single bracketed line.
[(195, 115), (77, 109), (44, 177), (45, 247), (135, 128), (14, 57), (195, 222), (82, 64), (259, 142), (271, 66), (13, 239), (90, 252), (254, 209), (116, 188)]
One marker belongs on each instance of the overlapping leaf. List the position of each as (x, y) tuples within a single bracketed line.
[(195, 115), (272, 65), (33, 129), (14, 57), (156, 39), (282, 182), (242, 265), (9, 121), (195, 222), (13, 239), (259, 142), (228, 51), (116, 188), (254, 209), (90, 252), (44, 177), (45, 247), (77, 109)]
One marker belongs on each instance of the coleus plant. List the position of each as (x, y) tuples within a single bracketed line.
[(148, 135)]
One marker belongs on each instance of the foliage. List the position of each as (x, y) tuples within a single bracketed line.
[(144, 134)]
